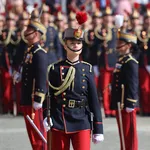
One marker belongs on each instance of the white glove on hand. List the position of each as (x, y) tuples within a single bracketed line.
[(16, 77), (10, 71), (96, 71), (128, 110), (97, 138), (36, 105), (45, 124)]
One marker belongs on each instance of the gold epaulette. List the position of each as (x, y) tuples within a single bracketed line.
[(131, 58), (106, 38), (23, 37), (7, 40), (40, 48), (60, 35), (87, 64), (54, 63)]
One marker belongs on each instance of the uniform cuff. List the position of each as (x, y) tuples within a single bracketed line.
[(131, 102), (98, 128), (39, 97)]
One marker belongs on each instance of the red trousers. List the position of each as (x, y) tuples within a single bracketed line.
[(144, 82), (80, 140), (129, 130), (105, 80), (7, 100), (35, 140)]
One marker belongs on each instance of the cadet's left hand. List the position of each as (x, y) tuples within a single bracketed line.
[(128, 110), (36, 105), (16, 77), (97, 138)]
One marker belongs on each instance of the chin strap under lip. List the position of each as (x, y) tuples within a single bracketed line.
[(74, 50)]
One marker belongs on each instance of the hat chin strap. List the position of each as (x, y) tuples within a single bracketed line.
[(74, 50)]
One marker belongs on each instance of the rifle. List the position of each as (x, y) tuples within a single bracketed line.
[(120, 107), (33, 88), (36, 129), (48, 120)]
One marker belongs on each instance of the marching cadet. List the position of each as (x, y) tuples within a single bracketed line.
[(8, 39), (21, 47), (2, 21), (144, 64), (90, 51), (72, 19), (135, 19), (34, 69), (51, 41), (35, 13), (107, 58), (73, 98), (125, 26), (125, 90), (60, 23)]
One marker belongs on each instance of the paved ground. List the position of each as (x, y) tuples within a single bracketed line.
[(13, 134)]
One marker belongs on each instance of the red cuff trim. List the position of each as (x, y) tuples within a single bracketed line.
[(98, 122)]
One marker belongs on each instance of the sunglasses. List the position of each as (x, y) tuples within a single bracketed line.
[(29, 33), (118, 47)]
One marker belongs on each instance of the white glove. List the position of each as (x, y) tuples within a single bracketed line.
[(16, 77), (36, 105), (97, 138), (10, 71), (96, 71), (45, 124), (118, 21), (148, 68), (128, 110)]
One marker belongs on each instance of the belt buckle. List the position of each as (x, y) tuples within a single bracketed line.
[(71, 104)]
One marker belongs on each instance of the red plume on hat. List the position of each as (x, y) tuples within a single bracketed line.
[(9, 7), (82, 7), (71, 8), (136, 5), (81, 17), (35, 5), (97, 3), (58, 8), (127, 13), (107, 3), (148, 6)]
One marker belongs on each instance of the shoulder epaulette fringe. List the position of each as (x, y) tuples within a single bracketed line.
[(40, 48), (131, 58), (87, 64)]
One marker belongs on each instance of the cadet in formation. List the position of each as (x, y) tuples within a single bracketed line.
[(125, 90), (34, 70), (73, 99)]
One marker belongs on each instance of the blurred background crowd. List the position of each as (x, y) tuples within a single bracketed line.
[(99, 45)]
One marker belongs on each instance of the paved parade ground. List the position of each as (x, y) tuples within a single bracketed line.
[(13, 134)]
